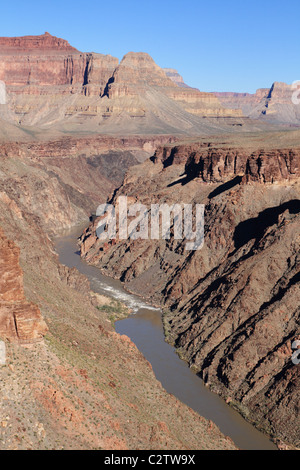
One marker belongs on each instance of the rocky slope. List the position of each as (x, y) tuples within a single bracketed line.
[(233, 306), (74, 175), (83, 386)]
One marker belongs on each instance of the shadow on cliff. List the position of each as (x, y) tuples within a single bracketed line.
[(186, 178), (254, 228), (183, 180), (225, 187)]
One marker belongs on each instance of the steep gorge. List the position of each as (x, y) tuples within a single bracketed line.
[(233, 306), (81, 385)]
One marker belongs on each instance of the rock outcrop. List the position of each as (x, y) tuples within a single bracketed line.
[(233, 309), (39, 65), (45, 42), (20, 320)]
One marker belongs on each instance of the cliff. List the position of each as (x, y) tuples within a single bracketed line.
[(39, 65), (20, 320), (219, 165)]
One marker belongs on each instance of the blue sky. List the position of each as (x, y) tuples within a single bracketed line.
[(215, 45)]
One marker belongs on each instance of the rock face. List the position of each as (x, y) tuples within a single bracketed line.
[(234, 304), (136, 71), (279, 104), (45, 42), (39, 65), (20, 320)]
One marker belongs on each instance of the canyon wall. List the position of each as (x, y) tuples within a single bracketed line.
[(219, 165), (45, 64)]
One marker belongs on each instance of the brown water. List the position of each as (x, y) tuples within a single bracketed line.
[(144, 327)]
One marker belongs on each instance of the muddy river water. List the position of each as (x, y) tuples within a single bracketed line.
[(144, 327)]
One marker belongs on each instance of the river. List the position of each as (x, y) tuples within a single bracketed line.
[(144, 328)]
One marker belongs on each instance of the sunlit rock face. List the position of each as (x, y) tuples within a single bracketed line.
[(2, 93)]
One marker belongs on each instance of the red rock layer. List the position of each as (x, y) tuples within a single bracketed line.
[(44, 64), (43, 42), (20, 320), (217, 165)]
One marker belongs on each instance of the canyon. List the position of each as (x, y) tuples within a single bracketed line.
[(231, 308), (70, 381), (79, 129)]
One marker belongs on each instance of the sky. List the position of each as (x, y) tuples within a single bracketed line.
[(215, 45)]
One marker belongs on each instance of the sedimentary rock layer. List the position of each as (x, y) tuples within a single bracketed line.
[(39, 65), (218, 165)]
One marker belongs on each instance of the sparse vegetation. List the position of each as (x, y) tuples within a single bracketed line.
[(115, 309)]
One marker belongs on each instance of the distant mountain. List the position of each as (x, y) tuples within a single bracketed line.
[(51, 84), (273, 104)]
